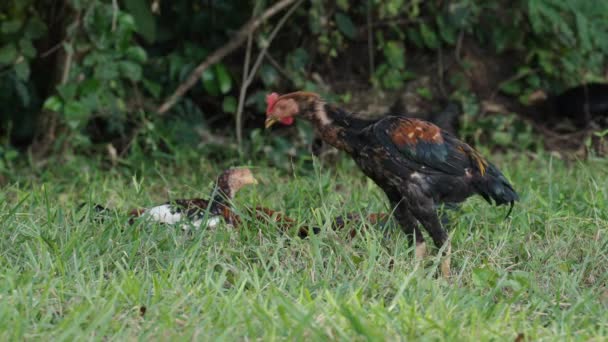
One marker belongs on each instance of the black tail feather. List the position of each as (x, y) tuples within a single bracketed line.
[(512, 203), (99, 212), (495, 188), (304, 232)]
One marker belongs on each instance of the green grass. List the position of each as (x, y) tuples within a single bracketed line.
[(543, 273)]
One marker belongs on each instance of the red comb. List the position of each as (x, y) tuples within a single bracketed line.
[(271, 99)]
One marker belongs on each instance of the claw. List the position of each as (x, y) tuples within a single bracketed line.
[(445, 263), (420, 251)]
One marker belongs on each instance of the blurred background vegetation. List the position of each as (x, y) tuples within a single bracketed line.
[(88, 76)]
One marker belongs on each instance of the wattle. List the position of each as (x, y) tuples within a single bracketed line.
[(287, 121)]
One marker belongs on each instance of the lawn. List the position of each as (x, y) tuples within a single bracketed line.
[(542, 274)]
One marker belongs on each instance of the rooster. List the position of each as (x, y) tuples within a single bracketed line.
[(418, 165), (197, 212)]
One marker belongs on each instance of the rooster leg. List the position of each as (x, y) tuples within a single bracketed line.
[(442, 211), (443, 217), (420, 250), (445, 263), (408, 224), (424, 210)]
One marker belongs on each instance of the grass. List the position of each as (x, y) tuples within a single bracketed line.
[(541, 275)]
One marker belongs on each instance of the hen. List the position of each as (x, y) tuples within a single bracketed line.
[(418, 165), (197, 212)]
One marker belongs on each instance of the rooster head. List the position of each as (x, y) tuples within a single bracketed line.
[(279, 110), (283, 108)]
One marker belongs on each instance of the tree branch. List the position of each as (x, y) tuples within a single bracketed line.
[(242, 92), (370, 40), (250, 74), (239, 38)]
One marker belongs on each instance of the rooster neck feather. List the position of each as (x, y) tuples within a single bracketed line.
[(336, 126)]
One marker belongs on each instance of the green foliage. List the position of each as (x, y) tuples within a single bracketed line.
[(506, 132), (91, 60), (19, 29), (391, 74), (101, 83), (570, 41), (145, 22), (8, 156)]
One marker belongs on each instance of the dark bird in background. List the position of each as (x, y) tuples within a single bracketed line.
[(198, 212), (447, 118), (418, 165), (581, 106)]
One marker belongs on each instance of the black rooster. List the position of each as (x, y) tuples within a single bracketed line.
[(418, 165)]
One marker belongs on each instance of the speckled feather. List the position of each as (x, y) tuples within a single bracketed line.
[(430, 149)]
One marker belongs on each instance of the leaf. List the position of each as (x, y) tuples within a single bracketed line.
[(229, 104), (22, 70), (130, 70), (89, 86), (458, 15), (343, 4), (298, 59), (223, 78), (53, 104), (27, 48), (269, 75), (137, 54), (501, 138), (446, 31), (67, 91), (176, 62), (35, 28), (386, 77), (126, 23), (583, 32), (23, 92), (425, 93), (194, 52), (92, 101), (107, 70), (393, 7), (11, 26), (8, 54), (144, 19), (428, 36), (152, 87), (414, 36), (395, 54), (208, 78), (345, 25), (77, 4), (76, 111)]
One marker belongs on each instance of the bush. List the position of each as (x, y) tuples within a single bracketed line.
[(93, 63)]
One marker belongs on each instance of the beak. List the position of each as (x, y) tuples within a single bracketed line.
[(270, 121), (250, 179)]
